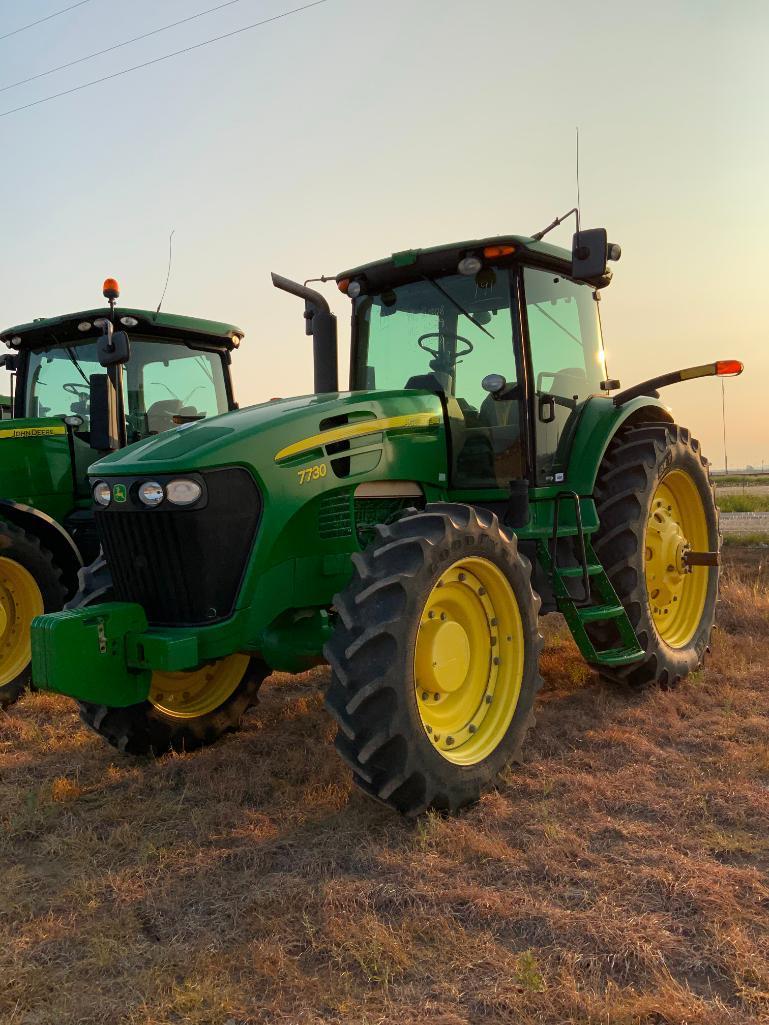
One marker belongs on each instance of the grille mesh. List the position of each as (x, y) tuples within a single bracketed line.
[(184, 566)]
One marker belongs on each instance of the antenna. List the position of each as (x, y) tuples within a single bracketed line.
[(578, 202), (539, 235), (168, 275)]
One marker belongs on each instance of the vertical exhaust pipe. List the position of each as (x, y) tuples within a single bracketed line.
[(321, 324)]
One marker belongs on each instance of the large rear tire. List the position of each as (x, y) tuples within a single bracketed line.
[(30, 584), (655, 500), (434, 659)]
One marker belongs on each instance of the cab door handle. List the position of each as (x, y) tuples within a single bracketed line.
[(546, 409)]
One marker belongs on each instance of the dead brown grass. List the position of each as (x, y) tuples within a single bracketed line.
[(618, 877)]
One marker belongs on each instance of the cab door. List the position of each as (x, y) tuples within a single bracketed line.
[(488, 443), (563, 330)]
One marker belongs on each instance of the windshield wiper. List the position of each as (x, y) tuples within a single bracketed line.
[(458, 305), (558, 324), (76, 365)]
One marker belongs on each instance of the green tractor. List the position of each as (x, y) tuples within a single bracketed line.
[(410, 531), (77, 396)]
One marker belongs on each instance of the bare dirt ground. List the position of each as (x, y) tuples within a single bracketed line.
[(618, 877)]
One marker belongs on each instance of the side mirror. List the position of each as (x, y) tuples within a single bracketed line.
[(105, 436), (589, 253), (9, 362), (113, 348)]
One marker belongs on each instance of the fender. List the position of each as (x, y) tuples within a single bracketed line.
[(51, 535), (600, 421)]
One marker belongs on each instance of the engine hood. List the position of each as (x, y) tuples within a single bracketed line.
[(284, 432)]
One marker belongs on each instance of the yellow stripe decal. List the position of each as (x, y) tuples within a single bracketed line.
[(33, 432), (358, 430)]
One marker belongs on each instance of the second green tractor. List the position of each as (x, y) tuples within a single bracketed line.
[(481, 469)]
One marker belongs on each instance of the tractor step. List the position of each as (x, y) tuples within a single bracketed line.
[(593, 569), (599, 603), (619, 656), (597, 613)]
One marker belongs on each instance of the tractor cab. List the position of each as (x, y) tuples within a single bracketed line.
[(174, 370), (501, 330)]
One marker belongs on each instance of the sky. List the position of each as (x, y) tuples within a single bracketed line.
[(355, 129)]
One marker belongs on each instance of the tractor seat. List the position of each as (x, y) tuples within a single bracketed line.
[(160, 415)]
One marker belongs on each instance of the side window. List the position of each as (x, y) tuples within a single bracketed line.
[(183, 385), (567, 359), (58, 382)]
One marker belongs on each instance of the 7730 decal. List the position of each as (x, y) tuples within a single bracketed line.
[(316, 472)]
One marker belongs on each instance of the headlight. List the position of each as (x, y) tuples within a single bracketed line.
[(151, 493), (102, 493), (183, 492)]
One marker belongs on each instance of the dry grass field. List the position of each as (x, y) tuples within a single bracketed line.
[(618, 877)]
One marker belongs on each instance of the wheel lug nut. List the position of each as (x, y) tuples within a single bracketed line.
[(443, 617), (472, 728), (431, 614), (429, 729), (493, 622), (449, 740), (425, 695), (496, 660), (461, 577), (489, 699), (437, 697), (481, 590)]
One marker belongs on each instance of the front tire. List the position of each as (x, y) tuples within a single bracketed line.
[(186, 711), (434, 659), (30, 584), (655, 500)]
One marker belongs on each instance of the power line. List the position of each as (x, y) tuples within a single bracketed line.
[(165, 57), (40, 21), (117, 46)]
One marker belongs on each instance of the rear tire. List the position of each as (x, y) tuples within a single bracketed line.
[(30, 584), (440, 607), (642, 464)]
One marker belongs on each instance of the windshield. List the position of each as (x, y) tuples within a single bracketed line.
[(443, 335), (161, 381)]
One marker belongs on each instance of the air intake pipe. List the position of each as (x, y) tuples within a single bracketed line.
[(321, 324)]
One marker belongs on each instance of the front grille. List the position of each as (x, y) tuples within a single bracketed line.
[(184, 566)]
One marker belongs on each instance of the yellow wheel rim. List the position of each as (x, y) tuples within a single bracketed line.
[(20, 602), (677, 594), (190, 695), (468, 661)]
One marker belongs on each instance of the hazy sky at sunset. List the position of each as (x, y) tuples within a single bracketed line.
[(357, 128)]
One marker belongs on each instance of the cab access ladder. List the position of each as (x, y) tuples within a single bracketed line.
[(599, 604)]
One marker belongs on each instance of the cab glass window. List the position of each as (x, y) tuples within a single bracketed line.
[(567, 359), (163, 385), (174, 384), (445, 335)]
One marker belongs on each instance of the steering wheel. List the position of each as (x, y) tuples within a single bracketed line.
[(443, 334), (77, 390)]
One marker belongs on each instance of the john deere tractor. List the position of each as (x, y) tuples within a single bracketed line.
[(481, 469), (74, 402)]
